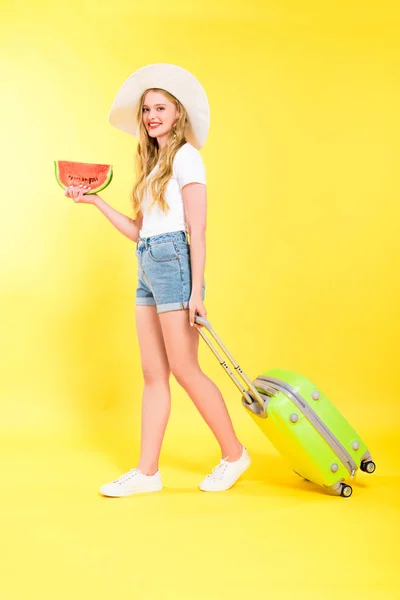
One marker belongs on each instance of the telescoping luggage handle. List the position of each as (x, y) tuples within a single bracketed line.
[(255, 395)]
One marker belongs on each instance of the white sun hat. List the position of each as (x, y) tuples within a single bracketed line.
[(174, 79)]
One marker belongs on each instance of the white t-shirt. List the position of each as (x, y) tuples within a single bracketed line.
[(187, 167)]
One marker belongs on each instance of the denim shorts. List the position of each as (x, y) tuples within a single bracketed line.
[(164, 271)]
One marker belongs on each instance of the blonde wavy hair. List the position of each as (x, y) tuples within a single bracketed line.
[(148, 154)]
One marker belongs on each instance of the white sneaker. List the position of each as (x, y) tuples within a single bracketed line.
[(132, 482), (225, 474)]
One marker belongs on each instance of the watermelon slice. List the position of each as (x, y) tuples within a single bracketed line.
[(78, 173)]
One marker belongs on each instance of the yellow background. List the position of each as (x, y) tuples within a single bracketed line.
[(302, 273)]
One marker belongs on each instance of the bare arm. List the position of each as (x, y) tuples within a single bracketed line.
[(127, 226), (195, 202)]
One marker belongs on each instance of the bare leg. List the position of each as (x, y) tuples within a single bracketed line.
[(181, 343), (156, 400)]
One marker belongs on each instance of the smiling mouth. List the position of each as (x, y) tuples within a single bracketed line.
[(154, 126)]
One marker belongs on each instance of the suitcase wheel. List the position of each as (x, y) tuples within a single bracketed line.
[(346, 490), (368, 466)]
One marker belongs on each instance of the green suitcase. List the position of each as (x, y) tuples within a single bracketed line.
[(300, 421)]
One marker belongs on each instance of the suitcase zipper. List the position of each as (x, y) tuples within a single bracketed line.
[(314, 419)]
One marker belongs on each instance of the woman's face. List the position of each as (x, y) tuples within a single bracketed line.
[(162, 112)]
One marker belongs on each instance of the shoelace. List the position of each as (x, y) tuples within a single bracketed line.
[(219, 470), (126, 476)]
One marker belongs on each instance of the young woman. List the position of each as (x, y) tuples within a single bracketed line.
[(166, 108)]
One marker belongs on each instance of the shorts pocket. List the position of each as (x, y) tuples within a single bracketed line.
[(163, 252), (182, 248)]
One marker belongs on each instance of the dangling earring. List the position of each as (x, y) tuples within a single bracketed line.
[(174, 136)]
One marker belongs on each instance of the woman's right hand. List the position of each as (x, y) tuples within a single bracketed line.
[(79, 193)]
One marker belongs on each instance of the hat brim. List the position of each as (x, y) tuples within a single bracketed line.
[(174, 79)]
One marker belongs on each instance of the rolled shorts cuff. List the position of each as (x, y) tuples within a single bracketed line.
[(162, 307), (148, 301), (172, 306)]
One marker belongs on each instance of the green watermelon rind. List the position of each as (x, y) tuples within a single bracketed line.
[(92, 191)]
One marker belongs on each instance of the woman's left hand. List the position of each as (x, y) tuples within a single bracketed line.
[(196, 306)]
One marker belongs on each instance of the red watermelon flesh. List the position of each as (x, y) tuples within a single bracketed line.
[(96, 176)]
